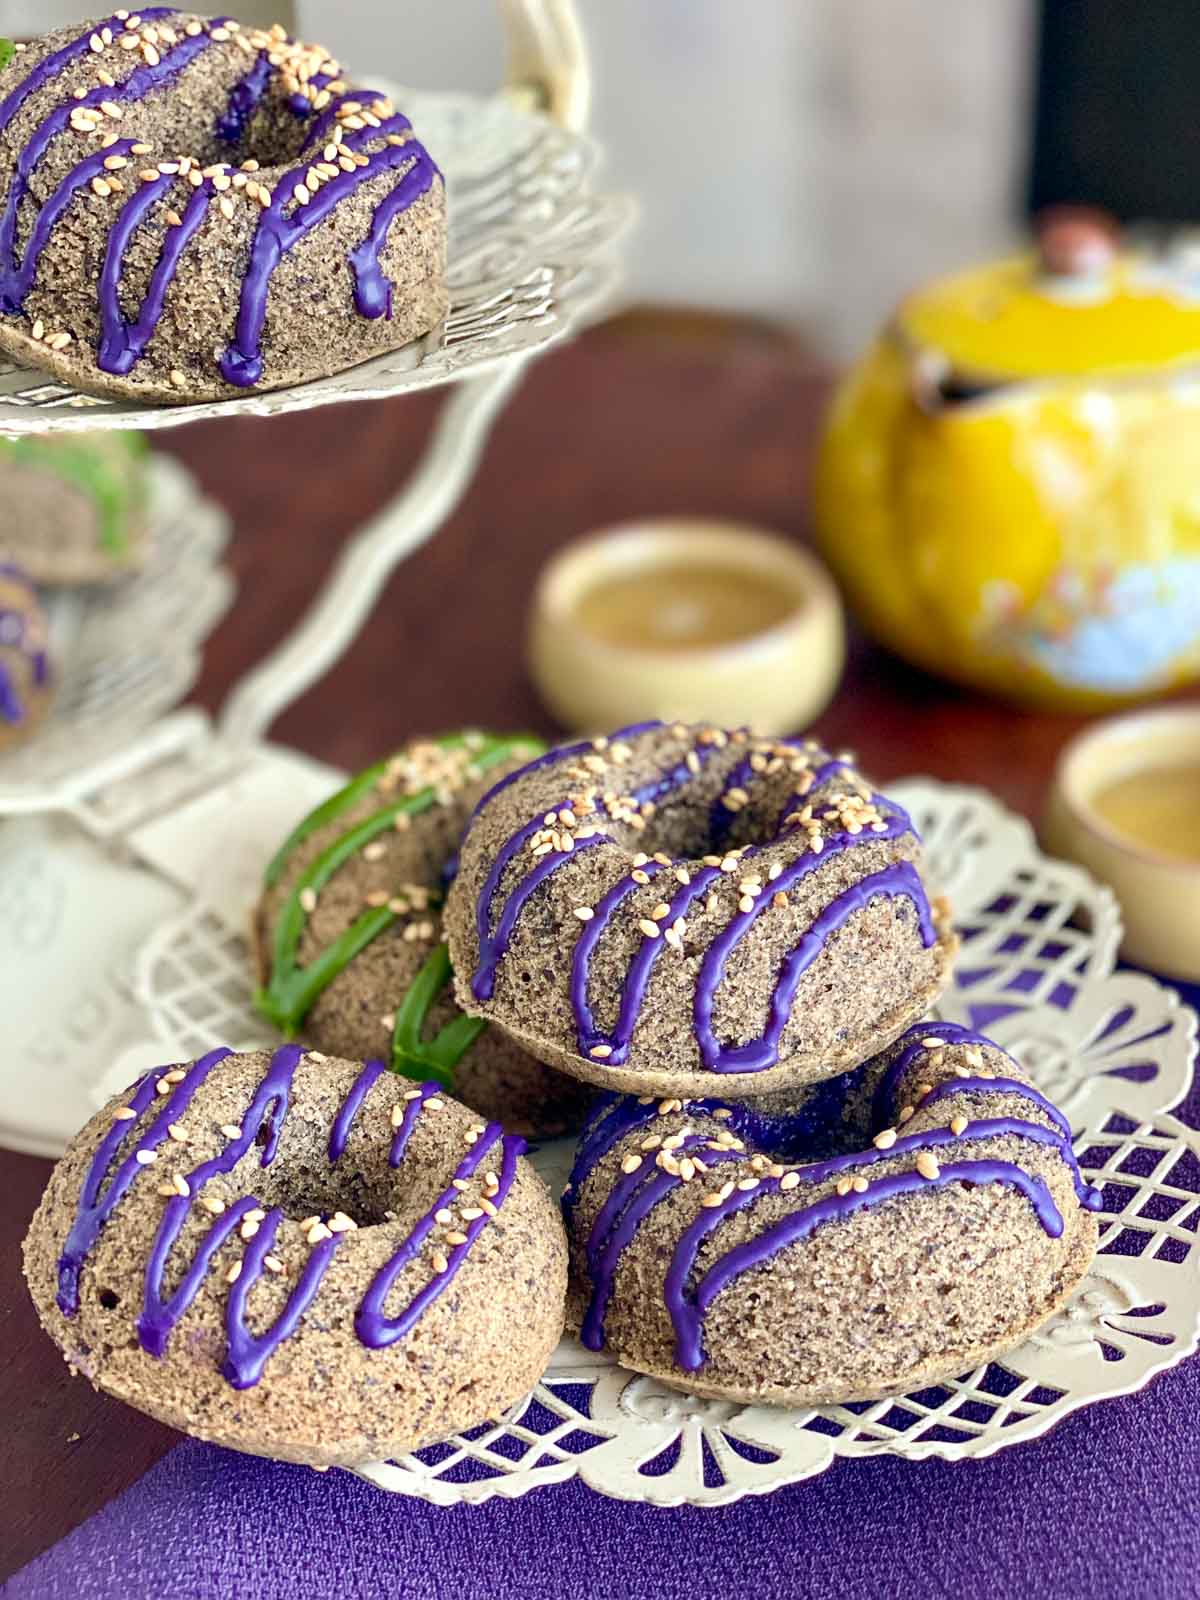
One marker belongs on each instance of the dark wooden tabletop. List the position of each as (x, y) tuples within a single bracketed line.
[(616, 426)]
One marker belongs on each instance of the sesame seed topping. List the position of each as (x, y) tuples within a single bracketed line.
[(231, 1130), (273, 1264), (906, 1112), (584, 913), (308, 899), (439, 1262), (885, 1140), (789, 1180), (600, 1051), (859, 1185), (234, 1272), (927, 1165), (175, 1131), (631, 1163), (317, 1233), (146, 1157), (748, 1183), (958, 1124), (456, 1238), (212, 1205), (124, 1114), (933, 1043), (650, 929)]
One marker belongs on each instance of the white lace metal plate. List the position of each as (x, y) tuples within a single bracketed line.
[(526, 266), (127, 652), (1115, 1049)]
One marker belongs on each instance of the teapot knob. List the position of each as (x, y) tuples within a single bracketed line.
[(1076, 241)]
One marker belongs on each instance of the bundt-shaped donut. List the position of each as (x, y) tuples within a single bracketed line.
[(191, 209), (73, 507), (710, 1249), (26, 679), (349, 934), (672, 907), (299, 1257)]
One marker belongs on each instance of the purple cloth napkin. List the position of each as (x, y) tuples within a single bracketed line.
[(1107, 1505)]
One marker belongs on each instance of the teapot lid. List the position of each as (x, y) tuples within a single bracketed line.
[(1082, 303)]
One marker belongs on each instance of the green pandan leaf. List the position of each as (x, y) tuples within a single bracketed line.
[(7, 51)]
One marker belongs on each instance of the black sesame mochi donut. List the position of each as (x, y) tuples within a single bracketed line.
[(349, 934), (299, 1258), (671, 908), (73, 507), (26, 677), (887, 1229), (191, 208)]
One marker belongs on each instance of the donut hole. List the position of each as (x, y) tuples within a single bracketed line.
[(184, 125)]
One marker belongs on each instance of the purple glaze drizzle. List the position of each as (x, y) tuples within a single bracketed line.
[(687, 1311), (894, 881), (53, 64), (350, 1107), (16, 634), (268, 1108), (246, 1353), (244, 100), (15, 281), (276, 233), (376, 1330), (95, 1209), (633, 1196), (900, 879)]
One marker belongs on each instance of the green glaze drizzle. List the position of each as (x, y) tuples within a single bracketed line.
[(109, 477), (414, 1056), (292, 989)]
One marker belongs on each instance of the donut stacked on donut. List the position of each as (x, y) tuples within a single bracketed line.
[(673, 907), (73, 507), (895, 1226), (299, 1257), (190, 209), (349, 933), (26, 679)]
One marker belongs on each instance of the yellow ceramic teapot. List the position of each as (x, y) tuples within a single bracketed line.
[(1009, 481)]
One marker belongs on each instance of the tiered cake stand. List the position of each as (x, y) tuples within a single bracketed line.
[(133, 840), (109, 811)]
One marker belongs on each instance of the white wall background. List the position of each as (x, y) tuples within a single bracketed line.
[(807, 159)]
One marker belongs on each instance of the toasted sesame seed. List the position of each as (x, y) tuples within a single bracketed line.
[(273, 1264), (748, 1183), (600, 1051), (434, 1104), (488, 1207), (958, 1124), (317, 1233), (885, 1140), (96, 44), (124, 1114), (225, 206), (906, 1112), (456, 1238), (631, 1163), (661, 910), (212, 1204), (231, 1130), (167, 1190), (789, 1180), (175, 1131), (927, 1165), (933, 1043), (650, 929), (308, 899), (101, 187), (234, 1272), (584, 913), (146, 1157), (439, 1262), (248, 1229), (859, 1185), (339, 1222)]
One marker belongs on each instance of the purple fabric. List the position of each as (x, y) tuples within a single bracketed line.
[(1106, 1505)]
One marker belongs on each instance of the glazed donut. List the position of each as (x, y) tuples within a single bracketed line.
[(709, 1249), (672, 906), (299, 1257), (73, 507), (349, 934), (191, 209), (26, 678)]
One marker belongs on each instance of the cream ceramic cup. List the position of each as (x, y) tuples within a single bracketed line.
[(1159, 894), (773, 666)]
